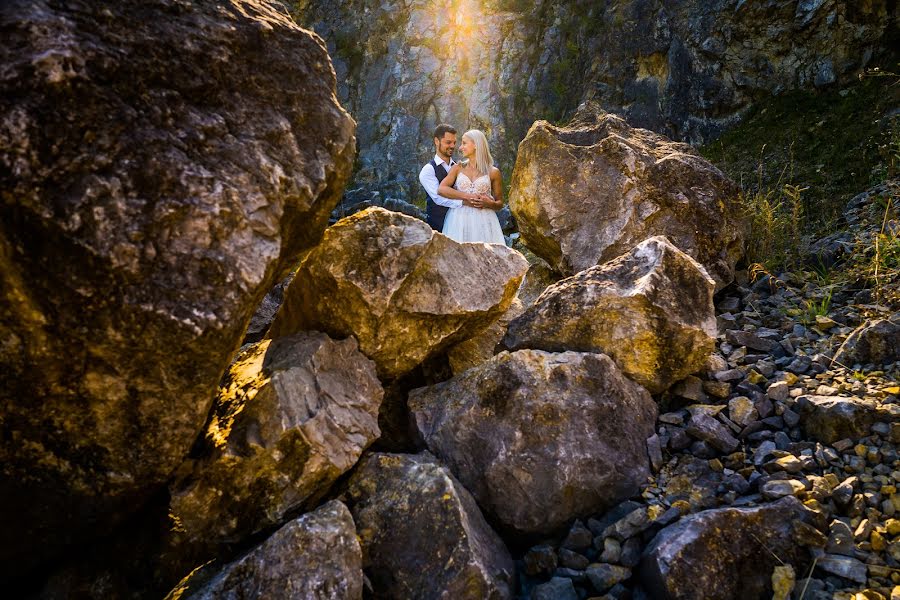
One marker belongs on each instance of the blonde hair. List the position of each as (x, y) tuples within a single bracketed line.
[(483, 159)]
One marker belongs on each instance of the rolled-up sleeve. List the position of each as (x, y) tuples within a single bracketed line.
[(429, 181)]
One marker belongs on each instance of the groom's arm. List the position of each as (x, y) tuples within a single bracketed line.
[(429, 181)]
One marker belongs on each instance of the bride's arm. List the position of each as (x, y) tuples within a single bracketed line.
[(447, 190), (496, 190)]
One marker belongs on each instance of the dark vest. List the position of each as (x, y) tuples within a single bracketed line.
[(435, 212)]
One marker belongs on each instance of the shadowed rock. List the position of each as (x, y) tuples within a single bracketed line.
[(828, 419), (876, 342), (292, 415), (705, 427), (650, 310), (422, 535), (403, 291), (480, 348), (540, 438), (163, 164), (538, 278), (398, 433), (315, 556), (585, 193), (266, 311), (726, 553)]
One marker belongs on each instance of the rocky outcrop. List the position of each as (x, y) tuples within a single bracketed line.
[(651, 310), (405, 292), (585, 193), (725, 553), (422, 534), (314, 556), (686, 69), (769, 417), (291, 416), (162, 164), (876, 342), (540, 438)]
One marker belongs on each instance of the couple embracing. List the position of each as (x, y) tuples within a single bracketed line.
[(463, 197)]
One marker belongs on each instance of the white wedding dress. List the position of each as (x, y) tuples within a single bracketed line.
[(470, 224)]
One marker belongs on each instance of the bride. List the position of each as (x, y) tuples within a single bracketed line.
[(478, 183)]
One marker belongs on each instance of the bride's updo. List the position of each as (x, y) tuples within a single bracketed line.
[(483, 159)]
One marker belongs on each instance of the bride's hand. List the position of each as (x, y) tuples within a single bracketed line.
[(486, 200), (475, 201)]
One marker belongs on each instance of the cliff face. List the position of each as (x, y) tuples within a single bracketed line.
[(685, 68)]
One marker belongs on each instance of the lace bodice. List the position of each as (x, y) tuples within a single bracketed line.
[(470, 224), (481, 185)]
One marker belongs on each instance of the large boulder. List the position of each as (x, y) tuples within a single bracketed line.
[(315, 556), (405, 292), (585, 193), (422, 534), (292, 415), (874, 342), (725, 553), (651, 310), (163, 164), (540, 438)]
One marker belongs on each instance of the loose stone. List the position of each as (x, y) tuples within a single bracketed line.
[(772, 490), (778, 391), (843, 566), (605, 576), (540, 560), (558, 588)]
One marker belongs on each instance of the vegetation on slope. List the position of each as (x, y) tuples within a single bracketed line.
[(800, 157), (826, 146)]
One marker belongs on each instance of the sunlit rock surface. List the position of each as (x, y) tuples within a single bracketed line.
[(651, 310), (405, 292), (163, 163), (422, 534), (315, 556), (589, 191), (540, 438), (291, 416)]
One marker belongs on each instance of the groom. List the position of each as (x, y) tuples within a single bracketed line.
[(434, 172)]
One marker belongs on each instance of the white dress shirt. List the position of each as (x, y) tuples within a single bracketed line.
[(430, 182)]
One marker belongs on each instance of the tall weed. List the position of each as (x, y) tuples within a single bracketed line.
[(886, 255), (777, 219), (876, 256)]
